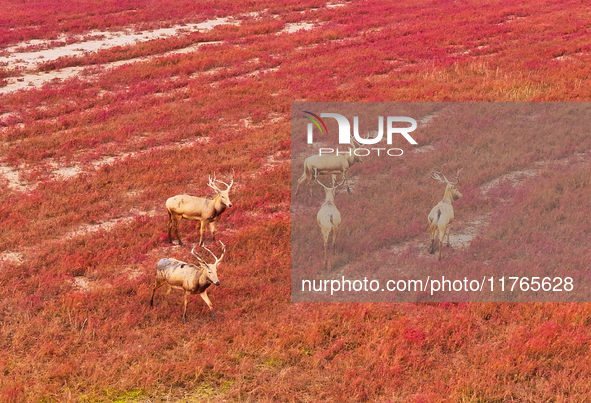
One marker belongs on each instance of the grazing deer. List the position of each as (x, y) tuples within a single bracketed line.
[(203, 209), (190, 278), (328, 164), (329, 217), (442, 215)]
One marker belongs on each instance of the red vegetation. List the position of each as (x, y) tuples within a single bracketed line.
[(74, 314)]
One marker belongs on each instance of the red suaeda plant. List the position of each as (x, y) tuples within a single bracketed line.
[(78, 253)]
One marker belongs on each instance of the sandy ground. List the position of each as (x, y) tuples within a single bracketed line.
[(17, 57), (29, 61)]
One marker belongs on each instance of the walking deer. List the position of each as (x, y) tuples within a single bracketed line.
[(190, 278), (329, 217), (202, 209), (328, 164), (442, 215)]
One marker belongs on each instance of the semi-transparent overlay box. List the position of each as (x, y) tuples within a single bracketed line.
[(375, 185)]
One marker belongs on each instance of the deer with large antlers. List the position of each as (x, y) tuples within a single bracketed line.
[(329, 164), (190, 278), (442, 215), (329, 217), (202, 209)]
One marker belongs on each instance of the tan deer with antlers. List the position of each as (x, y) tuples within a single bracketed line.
[(202, 209), (329, 217), (442, 215), (190, 278), (329, 164)]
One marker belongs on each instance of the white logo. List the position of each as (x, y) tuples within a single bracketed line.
[(345, 129)]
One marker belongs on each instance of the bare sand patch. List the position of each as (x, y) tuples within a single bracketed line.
[(425, 149), (296, 26), (86, 229), (133, 272), (18, 59), (12, 175), (11, 258), (276, 159), (29, 61), (85, 284), (518, 178)]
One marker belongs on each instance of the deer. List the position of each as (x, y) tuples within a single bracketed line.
[(328, 164), (329, 217), (442, 215), (202, 209), (190, 278)]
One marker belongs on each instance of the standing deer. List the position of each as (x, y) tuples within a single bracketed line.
[(329, 217), (203, 209), (190, 278), (442, 215), (328, 164)]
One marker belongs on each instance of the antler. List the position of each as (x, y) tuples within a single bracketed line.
[(437, 176), (217, 260), (212, 184), (334, 183), (322, 184), (356, 143), (196, 255), (458, 176)]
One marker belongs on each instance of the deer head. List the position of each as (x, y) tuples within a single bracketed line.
[(210, 268), (223, 194), (451, 186), (331, 191)]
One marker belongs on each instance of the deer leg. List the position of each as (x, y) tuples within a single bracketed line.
[(441, 237), (432, 235), (300, 181), (209, 304), (157, 285), (335, 232), (177, 221), (447, 234), (346, 182), (325, 236), (310, 188), (187, 293), (201, 229), (169, 226), (212, 230)]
